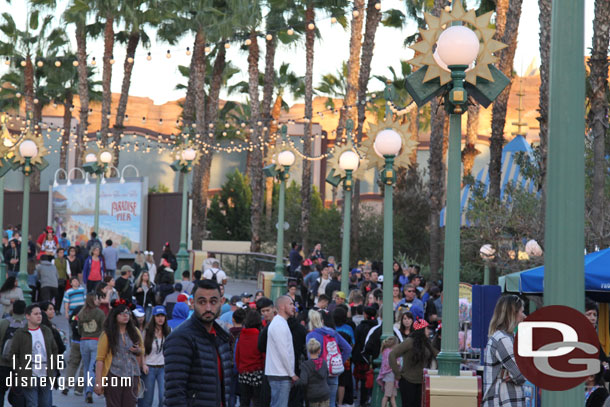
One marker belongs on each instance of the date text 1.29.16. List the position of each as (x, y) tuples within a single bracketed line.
[(35, 362)]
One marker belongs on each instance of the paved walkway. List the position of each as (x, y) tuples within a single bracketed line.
[(234, 287)]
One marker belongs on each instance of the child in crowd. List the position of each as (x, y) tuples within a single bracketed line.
[(314, 373), (386, 378)]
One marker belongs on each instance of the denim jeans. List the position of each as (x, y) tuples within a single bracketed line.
[(88, 351), (280, 390), (38, 396), (155, 375), (333, 384)]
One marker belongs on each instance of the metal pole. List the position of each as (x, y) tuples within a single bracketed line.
[(347, 216), (96, 219), (486, 274), (279, 281), (388, 250), (25, 221), (182, 256), (449, 358), (2, 264), (564, 222)]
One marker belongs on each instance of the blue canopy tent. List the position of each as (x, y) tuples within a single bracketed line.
[(597, 277)]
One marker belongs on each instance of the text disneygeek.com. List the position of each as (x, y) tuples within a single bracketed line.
[(65, 382)]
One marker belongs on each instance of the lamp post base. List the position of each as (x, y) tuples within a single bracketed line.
[(2, 272), (278, 283), (449, 363), (182, 258), (23, 284)]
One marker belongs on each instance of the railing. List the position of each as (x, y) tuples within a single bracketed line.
[(246, 265)]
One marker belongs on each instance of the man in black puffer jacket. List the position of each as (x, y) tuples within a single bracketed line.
[(198, 356)]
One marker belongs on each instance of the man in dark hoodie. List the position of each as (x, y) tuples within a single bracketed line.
[(362, 370), (314, 375)]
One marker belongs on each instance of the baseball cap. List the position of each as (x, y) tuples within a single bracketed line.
[(159, 310), (355, 271), (178, 287), (138, 312), (417, 311), (234, 300), (182, 298), (245, 295), (341, 294)]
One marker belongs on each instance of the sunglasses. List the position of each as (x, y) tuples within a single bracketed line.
[(126, 312), (410, 291)]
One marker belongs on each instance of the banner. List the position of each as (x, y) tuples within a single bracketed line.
[(121, 217)]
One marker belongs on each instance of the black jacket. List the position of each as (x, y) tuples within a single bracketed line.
[(372, 345), (314, 380), (360, 334), (191, 366), (332, 286)]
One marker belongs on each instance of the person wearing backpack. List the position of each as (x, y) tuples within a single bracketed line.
[(8, 327), (314, 376), (335, 349), (215, 273)]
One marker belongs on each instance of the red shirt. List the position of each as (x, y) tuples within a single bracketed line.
[(96, 270), (247, 356), (219, 364)]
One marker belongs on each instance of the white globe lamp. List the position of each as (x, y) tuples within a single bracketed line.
[(90, 158), (457, 45), (533, 249), (189, 154), (387, 142), (106, 157), (487, 252), (349, 160), (28, 149), (286, 158)]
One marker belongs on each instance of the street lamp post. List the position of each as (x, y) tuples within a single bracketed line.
[(349, 161), (282, 171), (186, 158), (446, 60), (487, 254), (97, 164), (5, 154)]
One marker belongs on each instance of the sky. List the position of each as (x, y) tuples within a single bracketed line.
[(158, 77)]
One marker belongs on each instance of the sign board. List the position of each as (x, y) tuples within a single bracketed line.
[(122, 216)]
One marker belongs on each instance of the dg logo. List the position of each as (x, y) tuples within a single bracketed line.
[(557, 348)]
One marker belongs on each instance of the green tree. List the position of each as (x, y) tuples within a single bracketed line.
[(229, 213)]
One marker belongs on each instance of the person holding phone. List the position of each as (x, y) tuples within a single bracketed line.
[(119, 356)]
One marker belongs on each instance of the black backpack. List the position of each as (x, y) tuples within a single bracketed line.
[(13, 326)]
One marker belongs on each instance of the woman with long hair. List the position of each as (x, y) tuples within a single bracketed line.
[(11, 258), (9, 293), (169, 257), (75, 266), (321, 325), (153, 367), (249, 360), (119, 352), (139, 264), (396, 296), (417, 354), (144, 292), (502, 380), (94, 268), (397, 272), (103, 291), (404, 323), (150, 265), (90, 324)]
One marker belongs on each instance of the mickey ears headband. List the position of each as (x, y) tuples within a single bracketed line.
[(121, 301), (420, 323)]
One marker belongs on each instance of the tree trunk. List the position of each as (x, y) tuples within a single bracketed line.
[(29, 89), (545, 56), (256, 157), (188, 110), (107, 77), (275, 115), (598, 113), (373, 17), (268, 117), (306, 178), (414, 132), (508, 35), (65, 137), (472, 132), (83, 92), (353, 69), (198, 112), (132, 44)]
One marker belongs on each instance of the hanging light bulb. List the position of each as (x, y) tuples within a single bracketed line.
[(168, 54), (143, 119), (148, 57), (74, 63), (248, 42), (269, 37), (57, 64), (378, 5), (22, 63), (188, 51), (311, 26), (290, 31), (7, 61), (93, 61), (227, 45), (130, 60), (112, 60), (39, 64), (355, 13), (333, 20), (126, 117), (36, 101), (208, 50)]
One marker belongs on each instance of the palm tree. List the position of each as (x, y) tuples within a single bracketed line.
[(598, 112), (136, 14), (353, 67), (507, 28), (472, 132), (334, 86)]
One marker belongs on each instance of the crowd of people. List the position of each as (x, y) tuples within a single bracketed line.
[(188, 343)]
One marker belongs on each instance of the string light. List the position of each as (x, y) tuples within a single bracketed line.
[(188, 51)]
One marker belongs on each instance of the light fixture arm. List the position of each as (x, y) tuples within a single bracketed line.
[(458, 96)]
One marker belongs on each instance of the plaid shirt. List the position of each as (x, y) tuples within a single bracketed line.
[(499, 364)]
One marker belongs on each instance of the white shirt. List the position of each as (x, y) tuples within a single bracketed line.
[(220, 275), (279, 359), (152, 271), (323, 284), (209, 263), (39, 353)]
